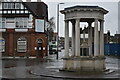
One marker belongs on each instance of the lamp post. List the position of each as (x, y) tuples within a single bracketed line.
[(58, 28)]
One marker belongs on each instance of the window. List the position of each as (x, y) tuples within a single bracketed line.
[(22, 44), (2, 45), (25, 24), (3, 19), (2, 22), (10, 22), (21, 22), (17, 6), (10, 19), (11, 5), (5, 6)]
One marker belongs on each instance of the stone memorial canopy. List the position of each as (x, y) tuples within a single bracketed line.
[(83, 58), (84, 12)]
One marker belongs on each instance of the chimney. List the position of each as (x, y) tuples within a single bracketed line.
[(28, 0), (38, 0)]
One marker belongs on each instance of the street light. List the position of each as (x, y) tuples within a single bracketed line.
[(58, 27)]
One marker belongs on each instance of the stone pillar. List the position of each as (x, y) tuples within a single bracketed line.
[(96, 43), (77, 37), (66, 38), (90, 38), (73, 38), (102, 38)]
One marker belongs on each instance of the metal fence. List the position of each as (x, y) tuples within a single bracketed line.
[(112, 49)]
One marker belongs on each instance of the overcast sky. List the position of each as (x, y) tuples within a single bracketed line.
[(111, 19)]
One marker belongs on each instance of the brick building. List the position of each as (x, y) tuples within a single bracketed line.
[(23, 28), (117, 38), (108, 38)]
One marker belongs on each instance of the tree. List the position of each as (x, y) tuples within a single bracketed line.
[(50, 28)]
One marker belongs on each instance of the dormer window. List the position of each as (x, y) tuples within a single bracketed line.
[(5, 6), (14, 8), (11, 6), (17, 6)]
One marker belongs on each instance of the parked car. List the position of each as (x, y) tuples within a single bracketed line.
[(53, 47)]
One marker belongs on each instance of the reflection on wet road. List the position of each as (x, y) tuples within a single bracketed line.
[(19, 68)]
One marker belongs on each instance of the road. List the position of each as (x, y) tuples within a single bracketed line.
[(21, 68)]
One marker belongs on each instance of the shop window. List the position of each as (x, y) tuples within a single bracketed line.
[(22, 44)]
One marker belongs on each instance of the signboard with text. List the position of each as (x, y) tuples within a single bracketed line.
[(39, 25)]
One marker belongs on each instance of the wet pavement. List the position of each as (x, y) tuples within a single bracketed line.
[(48, 69)]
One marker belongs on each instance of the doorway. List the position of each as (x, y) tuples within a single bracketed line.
[(39, 48)]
